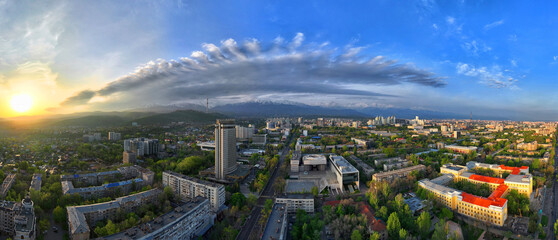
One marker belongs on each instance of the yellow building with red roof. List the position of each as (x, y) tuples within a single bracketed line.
[(493, 209)]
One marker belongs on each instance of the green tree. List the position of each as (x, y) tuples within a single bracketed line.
[(375, 236), (386, 190), (423, 223), (446, 214), (373, 200), (440, 231), (382, 213), (356, 235), (237, 199), (556, 228), (251, 200), (315, 191), (393, 226), (403, 234), (59, 214), (268, 204)]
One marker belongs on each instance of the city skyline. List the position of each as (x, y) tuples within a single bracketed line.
[(489, 58)]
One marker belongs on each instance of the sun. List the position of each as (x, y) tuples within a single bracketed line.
[(21, 103)]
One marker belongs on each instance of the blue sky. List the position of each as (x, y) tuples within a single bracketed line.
[(492, 58)]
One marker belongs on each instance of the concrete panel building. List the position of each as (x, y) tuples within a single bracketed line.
[(397, 174), (188, 188), (293, 202), (80, 218)]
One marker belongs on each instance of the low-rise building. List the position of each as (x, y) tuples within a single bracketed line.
[(397, 174), (36, 182), (188, 221), (7, 184), (347, 174), (314, 162), (187, 188), (81, 217), (276, 227), (367, 169), (103, 190), (491, 210), (293, 202), (461, 149)]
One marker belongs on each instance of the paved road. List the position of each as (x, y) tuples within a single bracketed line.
[(267, 193)]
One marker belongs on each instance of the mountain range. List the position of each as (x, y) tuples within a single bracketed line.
[(195, 114)]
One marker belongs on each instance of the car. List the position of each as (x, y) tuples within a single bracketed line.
[(55, 229)]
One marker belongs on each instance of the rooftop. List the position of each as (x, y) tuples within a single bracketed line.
[(149, 229), (314, 159), (483, 202), (76, 218), (402, 170), (275, 222), (196, 180), (518, 178), (485, 179), (441, 189), (343, 164)]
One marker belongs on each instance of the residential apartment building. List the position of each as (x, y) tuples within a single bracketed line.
[(397, 174), (188, 188), (142, 146), (18, 219), (293, 202), (7, 184), (36, 182), (114, 136), (187, 221), (103, 190), (81, 217)]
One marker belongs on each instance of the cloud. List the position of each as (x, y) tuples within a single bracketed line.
[(450, 20), (493, 77), (31, 36), (79, 99), (253, 68), (493, 25), (475, 47)]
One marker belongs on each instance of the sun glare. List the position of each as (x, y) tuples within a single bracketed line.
[(21, 103)]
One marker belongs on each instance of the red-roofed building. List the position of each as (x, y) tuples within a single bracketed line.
[(374, 224)]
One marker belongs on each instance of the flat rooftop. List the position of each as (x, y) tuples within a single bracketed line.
[(299, 186), (296, 196), (343, 164), (518, 178), (441, 189), (275, 222), (148, 228), (443, 180), (402, 170), (314, 159), (196, 180)]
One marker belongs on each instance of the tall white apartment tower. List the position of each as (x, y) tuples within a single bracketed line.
[(225, 148)]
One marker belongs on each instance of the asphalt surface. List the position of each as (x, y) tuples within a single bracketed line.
[(267, 193)]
